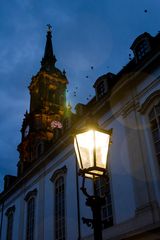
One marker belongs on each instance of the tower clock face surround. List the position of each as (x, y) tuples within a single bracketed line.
[(26, 131)]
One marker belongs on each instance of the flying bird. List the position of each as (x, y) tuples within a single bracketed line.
[(145, 11), (92, 67), (86, 76)]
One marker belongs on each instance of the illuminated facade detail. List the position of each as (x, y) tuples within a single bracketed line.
[(56, 124)]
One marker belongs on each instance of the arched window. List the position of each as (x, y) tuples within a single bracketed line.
[(59, 209), (10, 216), (58, 178), (103, 189), (30, 219), (39, 149), (154, 118), (30, 223)]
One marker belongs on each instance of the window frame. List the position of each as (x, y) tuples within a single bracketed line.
[(101, 187), (61, 172), (30, 196), (10, 222), (151, 100), (59, 208), (156, 119)]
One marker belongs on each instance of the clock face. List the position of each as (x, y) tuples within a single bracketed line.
[(26, 131)]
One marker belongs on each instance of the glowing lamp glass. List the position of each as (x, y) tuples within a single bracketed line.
[(91, 148)]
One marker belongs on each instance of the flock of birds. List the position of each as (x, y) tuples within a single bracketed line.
[(75, 90), (74, 93)]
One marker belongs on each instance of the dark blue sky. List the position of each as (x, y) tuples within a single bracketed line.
[(86, 33)]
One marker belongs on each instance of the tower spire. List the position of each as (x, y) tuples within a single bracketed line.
[(49, 59)]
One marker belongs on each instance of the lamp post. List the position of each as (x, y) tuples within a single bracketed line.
[(91, 147)]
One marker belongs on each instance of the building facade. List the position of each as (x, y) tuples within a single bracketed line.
[(44, 200)]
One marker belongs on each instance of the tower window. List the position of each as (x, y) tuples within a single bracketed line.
[(103, 189), (154, 118), (59, 209)]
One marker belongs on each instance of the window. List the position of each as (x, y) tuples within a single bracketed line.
[(9, 214), (142, 49), (39, 149), (100, 89), (57, 133), (30, 219), (59, 209), (103, 189), (30, 198), (154, 118), (58, 178)]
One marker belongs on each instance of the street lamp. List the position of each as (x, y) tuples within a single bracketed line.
[(91, 147)]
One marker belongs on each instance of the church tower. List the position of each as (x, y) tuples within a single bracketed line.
[(47, 108)]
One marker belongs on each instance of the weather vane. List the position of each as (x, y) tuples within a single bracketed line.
[(49, 27)]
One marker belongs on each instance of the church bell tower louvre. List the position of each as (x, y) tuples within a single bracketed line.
[(47, 108)]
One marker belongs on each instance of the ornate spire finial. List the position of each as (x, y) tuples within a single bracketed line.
[(49, 59), (49, 27)]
